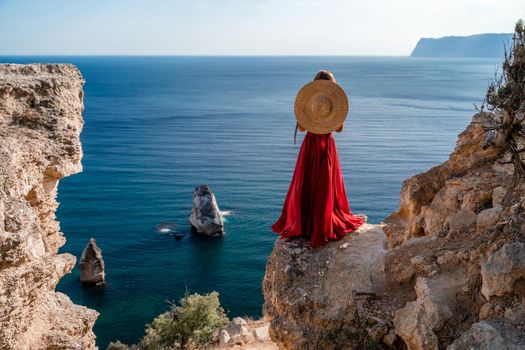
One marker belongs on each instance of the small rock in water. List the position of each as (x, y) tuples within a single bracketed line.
[(206, 218), (178, 236), (92, 265)]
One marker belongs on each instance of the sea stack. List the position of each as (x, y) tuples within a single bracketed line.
[(92, 265), (206, 218)]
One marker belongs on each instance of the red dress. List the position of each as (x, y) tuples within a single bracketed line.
[(316, 205)]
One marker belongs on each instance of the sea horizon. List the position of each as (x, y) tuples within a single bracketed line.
[(3, 56)]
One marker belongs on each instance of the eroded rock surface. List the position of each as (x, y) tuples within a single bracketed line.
[(418, 321), (490, 335), (316, 297), (430, 201), (206, 218), (40, 123), (462, 218), (241, 334), (92, 270), (502, 269)]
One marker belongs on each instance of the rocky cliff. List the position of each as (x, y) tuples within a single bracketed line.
[(40, 124), (446, 270), (488, 45)]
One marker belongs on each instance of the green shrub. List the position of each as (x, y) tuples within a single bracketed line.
[(192, 324)]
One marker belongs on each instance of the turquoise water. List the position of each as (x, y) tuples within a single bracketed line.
[(155, 127)]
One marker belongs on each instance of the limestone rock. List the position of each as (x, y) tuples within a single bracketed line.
[(310, 294), (429, 198), (490, 335), (40, 123), (224, 337), (462, 220), (502, 269), (92, 265), (486, 311), (418, 321), (427, 287), (237, 327), (206, 217), (245, 335), (498, 194), (261, 333), (488, 218), (516, 313)]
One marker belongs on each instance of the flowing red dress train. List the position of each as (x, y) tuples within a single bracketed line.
[(316, 205)]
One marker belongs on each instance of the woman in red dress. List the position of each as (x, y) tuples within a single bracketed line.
[(316, 205)]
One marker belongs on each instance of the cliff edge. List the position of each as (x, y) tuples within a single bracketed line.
[(40, 122), (445, 271)]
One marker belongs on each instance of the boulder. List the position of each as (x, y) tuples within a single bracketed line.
[(242, 334), (502, 269), (462, 220), (261, 333), (237, 327), (486, 311), (490, 335), (418, 321), (206, 218), (498, 195), (224, 337), (488, 218), (313, 296), (516, 314), (92, 265)]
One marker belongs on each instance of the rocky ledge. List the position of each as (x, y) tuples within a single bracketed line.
[(315, 297), (40, 123), (446, 270)]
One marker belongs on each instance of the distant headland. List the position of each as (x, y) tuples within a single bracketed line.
[(480, 45)]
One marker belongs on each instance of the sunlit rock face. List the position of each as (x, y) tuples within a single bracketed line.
[(206, 218), (454, 195), (447, 271), (40, 122), (317, 298), (466, 218)]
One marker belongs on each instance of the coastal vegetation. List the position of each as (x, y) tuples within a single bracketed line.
[(192, 324), (506, 98)]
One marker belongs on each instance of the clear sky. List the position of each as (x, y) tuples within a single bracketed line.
[(243, 27)]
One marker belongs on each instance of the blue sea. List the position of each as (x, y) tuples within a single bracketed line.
[(155, 127)]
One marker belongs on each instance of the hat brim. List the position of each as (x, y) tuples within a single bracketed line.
[(339, 107)]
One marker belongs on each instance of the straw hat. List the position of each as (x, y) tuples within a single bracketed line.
[(321, 106)]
